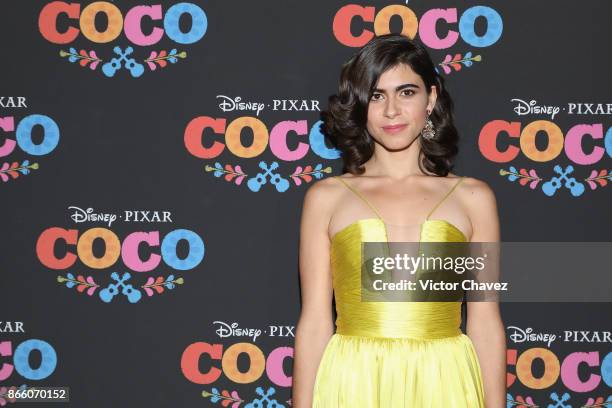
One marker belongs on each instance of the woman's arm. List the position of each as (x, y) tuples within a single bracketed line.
[(484, 324), (315, 325)]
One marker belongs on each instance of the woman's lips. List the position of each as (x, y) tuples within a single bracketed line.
[(394, 128)]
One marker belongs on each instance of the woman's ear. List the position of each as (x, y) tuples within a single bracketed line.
[(433, 96)]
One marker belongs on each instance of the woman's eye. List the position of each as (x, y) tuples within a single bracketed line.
[(408, 92), (375, 97)]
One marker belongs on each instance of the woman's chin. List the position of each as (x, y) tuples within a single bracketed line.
[(396, 144)]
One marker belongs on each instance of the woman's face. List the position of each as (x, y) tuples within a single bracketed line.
[(398, 108)]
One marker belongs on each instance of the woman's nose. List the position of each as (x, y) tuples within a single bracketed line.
[(391, 108)]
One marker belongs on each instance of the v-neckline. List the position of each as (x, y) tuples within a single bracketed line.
[(381, 221)]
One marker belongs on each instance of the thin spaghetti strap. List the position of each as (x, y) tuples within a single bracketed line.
[(444, 198), (358, 194)]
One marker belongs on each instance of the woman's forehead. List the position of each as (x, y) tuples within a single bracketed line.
[(398, 75)]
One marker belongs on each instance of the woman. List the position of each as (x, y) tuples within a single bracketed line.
[(392, 120)]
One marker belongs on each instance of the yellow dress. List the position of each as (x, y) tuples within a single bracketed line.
[(394, 354)]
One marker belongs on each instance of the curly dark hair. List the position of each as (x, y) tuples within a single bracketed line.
[(345, 119)]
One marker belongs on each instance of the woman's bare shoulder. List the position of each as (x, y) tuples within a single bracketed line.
[(477, 188), (476, 194), (323, 187), (323, 195)]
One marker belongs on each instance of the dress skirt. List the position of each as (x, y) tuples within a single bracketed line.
[(373, 372)]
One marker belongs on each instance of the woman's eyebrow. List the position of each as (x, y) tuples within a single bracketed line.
[(398, 88)]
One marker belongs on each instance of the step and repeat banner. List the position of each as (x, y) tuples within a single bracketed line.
[(154, 156)]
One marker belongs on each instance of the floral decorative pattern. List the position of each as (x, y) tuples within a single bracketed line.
[(308, 173), (228, 172), (600, 178), (263, 400), (88, 285), (15, 169), (80, 282), (455, 62), (597, 179), (268, 174), (84, 58), (523, 176), (162, 58), (157, 285), (90, 59)]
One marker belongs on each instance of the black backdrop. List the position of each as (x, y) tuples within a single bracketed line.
[(122, 148)]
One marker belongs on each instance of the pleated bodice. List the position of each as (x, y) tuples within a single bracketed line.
[(422, 320)]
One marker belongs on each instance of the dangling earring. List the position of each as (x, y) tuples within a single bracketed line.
[(428, 131)]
